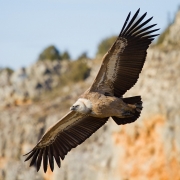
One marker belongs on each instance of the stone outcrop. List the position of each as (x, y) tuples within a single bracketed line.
[(148, 149), (172, 35), (29, 83)]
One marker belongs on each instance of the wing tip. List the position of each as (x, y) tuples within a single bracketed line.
[(134, 25), (28, 152), (47, 154), (138, 10)]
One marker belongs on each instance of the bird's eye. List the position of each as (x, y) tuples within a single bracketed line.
[(76, 105)]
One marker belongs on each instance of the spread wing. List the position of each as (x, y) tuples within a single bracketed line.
[(70, 131), (124, 61)]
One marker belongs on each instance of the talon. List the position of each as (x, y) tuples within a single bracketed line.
[(127, 113)]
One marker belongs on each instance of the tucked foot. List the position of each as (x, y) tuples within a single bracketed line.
[(127, 114)]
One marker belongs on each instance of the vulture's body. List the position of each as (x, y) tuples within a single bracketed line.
[(119, 71), (99, 105)]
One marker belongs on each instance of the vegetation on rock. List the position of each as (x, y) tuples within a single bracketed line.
[(83, 56), (163, 35), (105, 44), (65, 55), (9, 70), (50, 53), (77, 71)]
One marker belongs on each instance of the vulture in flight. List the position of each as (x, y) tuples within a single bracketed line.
[(119, 71)]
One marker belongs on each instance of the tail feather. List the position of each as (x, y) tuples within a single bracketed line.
[(132, 100), (136, 100)]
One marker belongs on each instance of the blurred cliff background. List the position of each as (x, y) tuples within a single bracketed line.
[(33, 98)]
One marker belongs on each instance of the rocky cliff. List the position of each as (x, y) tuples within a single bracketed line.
[(147, 149)]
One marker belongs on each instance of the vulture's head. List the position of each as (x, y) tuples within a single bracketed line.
[(82, 105)]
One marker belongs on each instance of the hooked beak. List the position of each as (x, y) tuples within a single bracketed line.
[(72, 108)]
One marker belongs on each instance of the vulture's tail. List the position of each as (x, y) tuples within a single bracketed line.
[(136, 101)]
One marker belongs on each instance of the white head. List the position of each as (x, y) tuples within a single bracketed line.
[(82, 105)]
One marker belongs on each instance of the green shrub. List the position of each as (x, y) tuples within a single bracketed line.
[(77, 71), (50, 53), (9, 70), (65, 56), (83, 56), (104, 46), (162, 36)]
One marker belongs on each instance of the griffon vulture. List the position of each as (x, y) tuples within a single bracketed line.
[(119, 71)]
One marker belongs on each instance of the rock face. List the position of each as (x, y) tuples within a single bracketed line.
[(27, 83), (172, 37), (147, 149)]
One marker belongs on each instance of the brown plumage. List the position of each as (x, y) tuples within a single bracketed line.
[(119, 71)]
